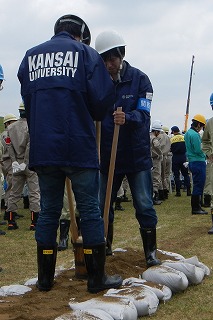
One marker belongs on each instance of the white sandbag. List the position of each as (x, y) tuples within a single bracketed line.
[(14, 290), (174, 279), (163, 292), (194, 274), (31, 282), (90, 314), (118, 308), (176, 256), (194, 260), (145, 300)]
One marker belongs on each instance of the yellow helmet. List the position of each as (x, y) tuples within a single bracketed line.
[(9, 117), (200, 118), (21, 106)]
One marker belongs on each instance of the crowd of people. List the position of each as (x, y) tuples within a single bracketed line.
[(55, 139)]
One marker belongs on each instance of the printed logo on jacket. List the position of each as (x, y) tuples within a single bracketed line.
[(53, 64)]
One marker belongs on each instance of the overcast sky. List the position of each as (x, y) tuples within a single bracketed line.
[(161, 37)]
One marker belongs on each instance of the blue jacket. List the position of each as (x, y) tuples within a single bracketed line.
[(178, 148), (133, 94), (65, 87)]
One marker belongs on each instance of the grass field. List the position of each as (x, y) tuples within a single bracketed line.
[(178, 231)]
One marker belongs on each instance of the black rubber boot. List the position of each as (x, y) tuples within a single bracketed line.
[(109, 240), (118, 205), (188, 192), (12, 225), (149, 244), (34, 218), (125, 198), (46, 259), (195, 204), (26, 202), (211, 230), (98, 280), (161, 195), (2, 233), (166, 193), (64, 234), (156, 200), (207, 200), (178, 194)]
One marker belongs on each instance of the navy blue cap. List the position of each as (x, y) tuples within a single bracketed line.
[(175, 129)]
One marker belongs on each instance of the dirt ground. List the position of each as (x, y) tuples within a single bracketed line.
[(36, 305)]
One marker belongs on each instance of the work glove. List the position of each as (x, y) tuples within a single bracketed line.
[(186, 164), (15, 167), (22, 166)]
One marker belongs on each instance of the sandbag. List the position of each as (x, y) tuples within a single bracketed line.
[(145, 300), (174, 279), (118, 308), (194, 274), (194, 260), (163, 292), (90, 314), (14, 290), (174, 255)]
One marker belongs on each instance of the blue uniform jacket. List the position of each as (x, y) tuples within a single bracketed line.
[(65, 87), (133, 94)]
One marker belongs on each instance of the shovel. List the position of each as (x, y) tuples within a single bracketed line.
[(110, 176), (77, 242)]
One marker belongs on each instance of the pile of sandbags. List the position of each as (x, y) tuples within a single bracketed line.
[(141, 296)]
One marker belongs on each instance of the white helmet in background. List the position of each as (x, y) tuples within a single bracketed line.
[(108, 40), (157, 126)]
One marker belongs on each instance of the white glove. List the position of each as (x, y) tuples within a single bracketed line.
[(15, 167), (22, 166), (186, 164)]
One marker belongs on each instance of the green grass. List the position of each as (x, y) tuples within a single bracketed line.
[(1, 124), (177, 231)]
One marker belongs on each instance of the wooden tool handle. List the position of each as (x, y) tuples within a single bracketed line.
[(73, 224), (111, 175)]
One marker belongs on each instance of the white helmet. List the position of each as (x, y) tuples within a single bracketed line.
[(108, 40), (157, 126)]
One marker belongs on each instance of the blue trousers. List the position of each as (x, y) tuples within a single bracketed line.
[(140, 184), (85, 185), (177, 168), (198, 170)]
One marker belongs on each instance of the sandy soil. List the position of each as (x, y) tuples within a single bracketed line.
[(36, 305)]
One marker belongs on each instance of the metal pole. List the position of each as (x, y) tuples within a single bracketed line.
[(188, 98)]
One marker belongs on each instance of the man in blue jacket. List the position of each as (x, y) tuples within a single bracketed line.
[(65, 87), (134, 94)]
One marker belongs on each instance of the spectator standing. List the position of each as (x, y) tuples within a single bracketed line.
[(179, 160), (165, 147), (168, 164), (197, 162), (6, 160), (207, 147), (18, 148), (157, 158), (62, 105)]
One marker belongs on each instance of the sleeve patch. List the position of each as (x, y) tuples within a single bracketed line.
[(144, 104)]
